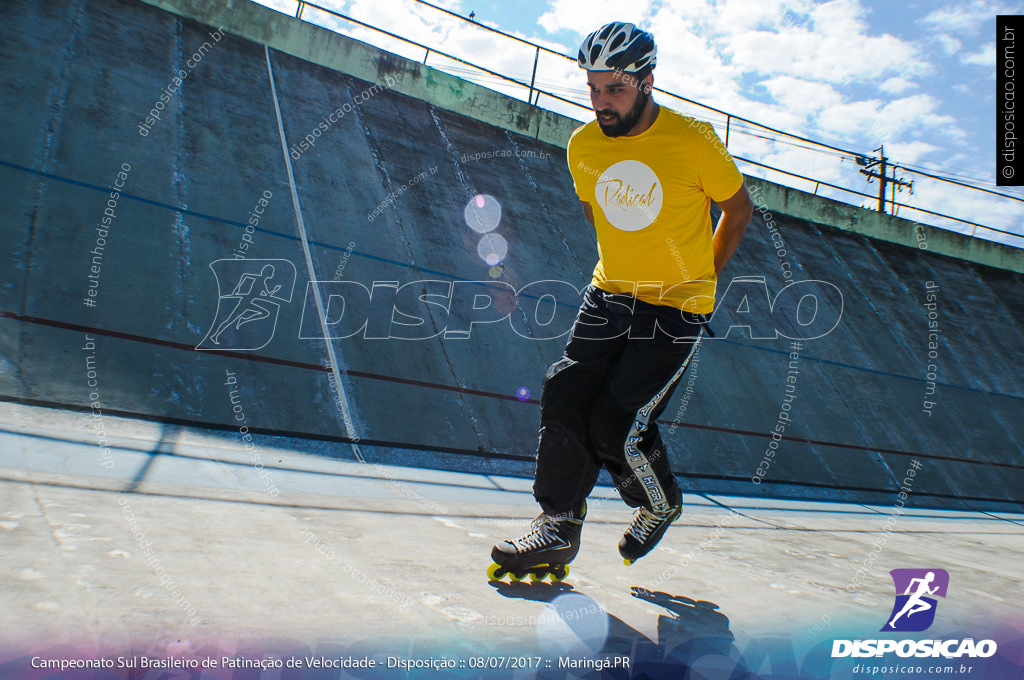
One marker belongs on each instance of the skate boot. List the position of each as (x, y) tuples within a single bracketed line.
[(646, 530), (545, 550)]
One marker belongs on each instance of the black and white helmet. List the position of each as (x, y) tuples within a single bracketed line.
[(618, 46)]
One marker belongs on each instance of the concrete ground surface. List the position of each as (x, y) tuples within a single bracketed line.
[(108, 553)]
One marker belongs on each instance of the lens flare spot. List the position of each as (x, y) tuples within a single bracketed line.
[(573, 625), (482, 213), (523, 393), (492, 249)]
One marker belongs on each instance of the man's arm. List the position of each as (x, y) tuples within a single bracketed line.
[(736, 213)]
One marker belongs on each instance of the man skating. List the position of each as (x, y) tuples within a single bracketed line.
[(646, 177)]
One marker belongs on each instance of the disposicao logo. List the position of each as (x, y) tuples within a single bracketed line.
[(914, 611), (247, 316)]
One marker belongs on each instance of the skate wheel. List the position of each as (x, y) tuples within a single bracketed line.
[(627, 562), (539, 572), (496, 572), (559, 573)]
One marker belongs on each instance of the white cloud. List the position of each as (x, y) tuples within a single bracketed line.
[(965, 18), (689, 62), (985, 57), (829, 41), (834, 46), (807, 53), (915, 113), (910, 152), (735, 17), (896, 85), (584, 16), (851, 120), (803, 97), (948, 43)]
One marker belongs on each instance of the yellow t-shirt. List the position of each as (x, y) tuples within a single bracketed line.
[(651, 198)]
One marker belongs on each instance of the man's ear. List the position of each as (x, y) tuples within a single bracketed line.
[(648, 83)]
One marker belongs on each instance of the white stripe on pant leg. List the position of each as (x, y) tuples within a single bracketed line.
[(634, 456)]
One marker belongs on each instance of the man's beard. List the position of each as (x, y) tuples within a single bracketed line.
[(625, 124)]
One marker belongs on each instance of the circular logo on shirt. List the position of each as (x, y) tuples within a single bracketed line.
[(630, 195)]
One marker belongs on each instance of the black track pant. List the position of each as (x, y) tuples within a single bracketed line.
[(601, 400)]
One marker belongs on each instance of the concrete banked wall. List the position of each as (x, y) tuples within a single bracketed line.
[(78, 77)]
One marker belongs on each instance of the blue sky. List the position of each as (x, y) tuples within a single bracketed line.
[(918, 77)]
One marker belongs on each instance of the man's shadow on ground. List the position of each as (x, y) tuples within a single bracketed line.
[(691, 630)]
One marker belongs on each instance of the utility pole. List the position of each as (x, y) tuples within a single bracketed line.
[(882, 176), (881, 182)]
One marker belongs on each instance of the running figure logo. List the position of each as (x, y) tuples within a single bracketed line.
[(914, 611), (247, 316)]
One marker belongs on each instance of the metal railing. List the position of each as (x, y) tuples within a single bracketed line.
[(748, 137)]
